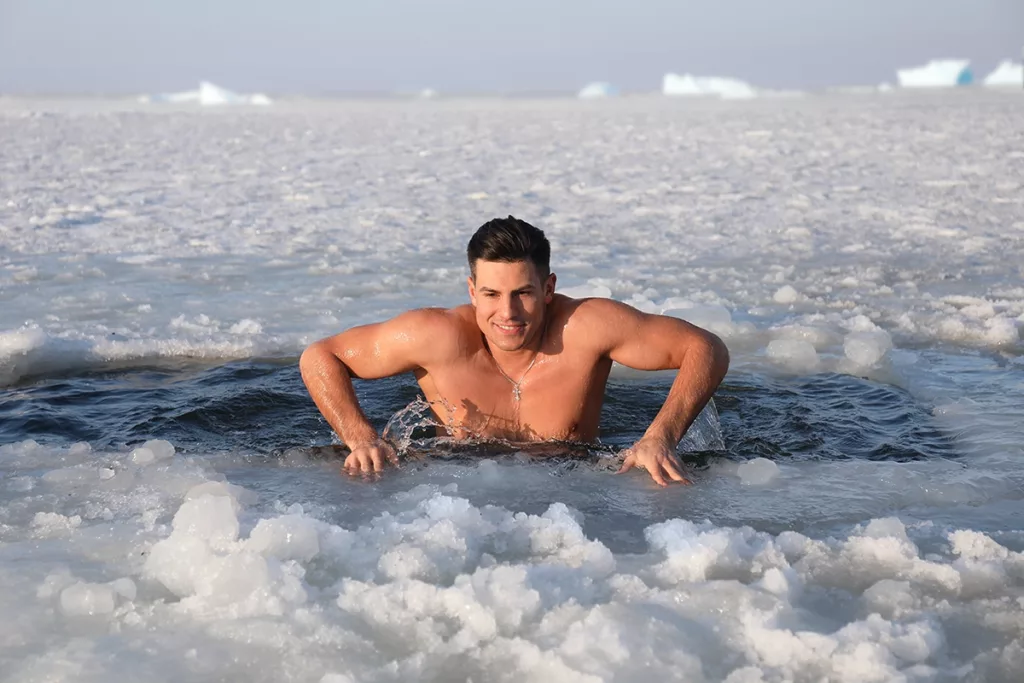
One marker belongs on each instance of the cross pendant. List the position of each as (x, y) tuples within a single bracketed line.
[(515, 393)]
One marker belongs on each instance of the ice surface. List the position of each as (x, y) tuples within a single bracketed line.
[(287, 257), (706, 86), (1007, 74), (873, 236), (427, 579), (597, 90), (938, 73)]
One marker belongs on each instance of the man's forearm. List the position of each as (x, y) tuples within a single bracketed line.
[(703, 367), (330, 386)]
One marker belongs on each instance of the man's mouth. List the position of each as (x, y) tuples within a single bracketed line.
[(509, 328)]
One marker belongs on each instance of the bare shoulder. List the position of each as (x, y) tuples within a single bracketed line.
[(595, 314), (612, 327), (596, 322), (419, 337), (440, 332)]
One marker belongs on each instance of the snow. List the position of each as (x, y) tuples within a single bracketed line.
[(434, 580), (706, 86), (1007, 74), (938, 73)]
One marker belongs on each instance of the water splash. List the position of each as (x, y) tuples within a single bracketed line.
[(705, 434), (417, 433), (401, 429)]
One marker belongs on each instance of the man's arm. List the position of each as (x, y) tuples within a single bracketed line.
[(411, 340), (656, 342)]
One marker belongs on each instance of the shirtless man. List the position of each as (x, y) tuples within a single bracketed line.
[(520, 362)]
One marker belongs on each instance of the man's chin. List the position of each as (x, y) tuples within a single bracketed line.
[(508, 343)]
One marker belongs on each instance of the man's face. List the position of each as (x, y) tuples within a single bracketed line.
[(509, 299)]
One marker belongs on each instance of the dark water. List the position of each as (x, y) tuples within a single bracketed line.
[(260, 408)]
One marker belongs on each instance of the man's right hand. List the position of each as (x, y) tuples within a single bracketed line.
[(370, 457)]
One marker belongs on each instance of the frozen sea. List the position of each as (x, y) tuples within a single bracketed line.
[(171, 503)]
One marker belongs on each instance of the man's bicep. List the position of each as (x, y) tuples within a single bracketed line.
[(382, 349), (651, 342)]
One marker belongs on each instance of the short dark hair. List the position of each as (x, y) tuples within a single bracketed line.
[(510, 240)]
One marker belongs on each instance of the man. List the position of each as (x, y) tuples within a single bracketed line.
[(520, 362)]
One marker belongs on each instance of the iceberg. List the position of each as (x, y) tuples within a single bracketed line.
[(938, 73), (207, 95), (706, 86), (597, 90), (1007, 74)]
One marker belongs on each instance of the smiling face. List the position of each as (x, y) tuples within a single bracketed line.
[(510, 300)]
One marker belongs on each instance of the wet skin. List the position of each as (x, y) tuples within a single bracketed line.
[(517, 336)]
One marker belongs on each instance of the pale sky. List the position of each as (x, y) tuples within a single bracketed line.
[(464, 46)]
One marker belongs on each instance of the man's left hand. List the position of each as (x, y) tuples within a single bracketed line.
[(657, 458)]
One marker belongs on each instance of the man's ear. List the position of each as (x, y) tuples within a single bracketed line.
[(549, 288), (472, 289)]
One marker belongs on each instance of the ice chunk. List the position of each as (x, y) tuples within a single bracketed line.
[(890, 598), (246, 326), (207, 95), (124, 587), (1001, 332), (938, 73), (86, 599), (286, 538), (757, 472), (1007, 74), (208, 518), (238, 495), (597, 90), (711, 317), (867, 348), (786, 294), (795, 354), (818, 337), (588, 290), (706, 86), (152, 451)]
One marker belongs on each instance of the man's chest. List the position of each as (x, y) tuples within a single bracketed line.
[(556, 399)]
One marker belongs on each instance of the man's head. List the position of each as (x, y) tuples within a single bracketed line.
[(511, 281)]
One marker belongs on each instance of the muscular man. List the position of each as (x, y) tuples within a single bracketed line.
[(519, 362)]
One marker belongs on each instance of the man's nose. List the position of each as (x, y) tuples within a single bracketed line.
[(509, 307)]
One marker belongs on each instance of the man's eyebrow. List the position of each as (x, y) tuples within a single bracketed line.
[(519, 290)]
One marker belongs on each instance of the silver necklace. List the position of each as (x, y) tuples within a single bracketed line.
[(515, 385)]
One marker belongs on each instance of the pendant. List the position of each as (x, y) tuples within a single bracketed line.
[(515, 392)]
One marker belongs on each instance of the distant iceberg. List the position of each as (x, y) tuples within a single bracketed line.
[(706, 86), (938, 73), (1007, 74), (597, 90), (208, 95)]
